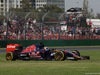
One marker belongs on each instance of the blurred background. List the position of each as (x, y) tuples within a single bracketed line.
[(49, 20)]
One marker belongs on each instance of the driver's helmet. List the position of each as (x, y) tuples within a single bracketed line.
[(46, 48)]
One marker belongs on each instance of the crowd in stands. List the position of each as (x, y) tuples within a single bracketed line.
[(16, 31)]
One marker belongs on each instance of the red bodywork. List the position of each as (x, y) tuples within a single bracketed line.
[(11, 47), (29, 49)]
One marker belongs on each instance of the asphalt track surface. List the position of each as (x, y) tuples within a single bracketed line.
[(3, 51)]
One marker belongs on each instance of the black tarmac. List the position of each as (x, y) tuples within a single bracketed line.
[(3, 51)]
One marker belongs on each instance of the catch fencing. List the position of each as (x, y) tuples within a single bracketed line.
[(47, 26)]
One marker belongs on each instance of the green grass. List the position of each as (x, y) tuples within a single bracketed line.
[(81, 67)]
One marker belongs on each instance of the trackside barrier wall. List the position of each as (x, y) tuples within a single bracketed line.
[(3, 43), (52, 43)]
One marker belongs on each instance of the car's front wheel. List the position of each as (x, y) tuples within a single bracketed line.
[(59, 56)]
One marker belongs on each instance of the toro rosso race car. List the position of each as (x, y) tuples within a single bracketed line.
[(39, 52)]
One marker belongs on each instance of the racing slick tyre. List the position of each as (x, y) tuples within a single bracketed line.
[(76, 52), (59, 56), (11, 56), (65, 56)]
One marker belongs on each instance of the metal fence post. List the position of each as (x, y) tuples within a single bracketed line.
[(74, 28), (90, 25), (7, 25), (43, 24), (59, 25), (25, 23)]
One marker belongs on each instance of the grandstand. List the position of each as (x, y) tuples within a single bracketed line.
[(72, 25)]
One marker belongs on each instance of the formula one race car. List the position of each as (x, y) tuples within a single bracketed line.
[(39, 52)]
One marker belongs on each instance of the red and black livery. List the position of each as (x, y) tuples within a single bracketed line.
[(39, 52)]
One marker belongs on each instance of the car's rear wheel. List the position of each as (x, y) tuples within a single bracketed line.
[(59, 56), (11, 56)]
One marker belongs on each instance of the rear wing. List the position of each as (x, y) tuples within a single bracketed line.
[(12, 47)]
